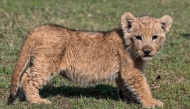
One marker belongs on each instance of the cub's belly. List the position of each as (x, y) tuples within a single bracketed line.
[(90, 78)]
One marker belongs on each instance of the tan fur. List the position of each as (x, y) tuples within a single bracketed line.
[(91, 57)]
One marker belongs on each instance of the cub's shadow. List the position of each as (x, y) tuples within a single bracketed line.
[(186, 35), (98, 92)]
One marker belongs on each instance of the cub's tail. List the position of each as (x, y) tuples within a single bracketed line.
[(20, 67)]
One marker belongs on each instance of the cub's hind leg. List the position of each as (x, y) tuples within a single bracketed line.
[(132, 79), (32, 81)]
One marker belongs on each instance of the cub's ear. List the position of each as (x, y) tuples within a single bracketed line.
[(127, 20), (166, 23)]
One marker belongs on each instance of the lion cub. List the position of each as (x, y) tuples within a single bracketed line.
[(91, 57)]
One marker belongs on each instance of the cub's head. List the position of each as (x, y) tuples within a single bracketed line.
[(145, 35)]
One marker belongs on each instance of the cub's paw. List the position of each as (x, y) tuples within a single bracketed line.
[(41, 101), (152, 104), (45, 101)]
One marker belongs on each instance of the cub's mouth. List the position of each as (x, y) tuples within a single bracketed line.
[(147, 58), (147, 54)]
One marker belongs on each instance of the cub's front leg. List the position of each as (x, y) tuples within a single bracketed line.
[(131, 79)]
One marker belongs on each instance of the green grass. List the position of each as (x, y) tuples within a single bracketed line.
[(18, 17)]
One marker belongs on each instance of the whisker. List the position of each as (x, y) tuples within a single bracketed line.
[(136, 55), (133, 54), (160, 55)]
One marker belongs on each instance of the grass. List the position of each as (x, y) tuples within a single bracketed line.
[(18, 17)]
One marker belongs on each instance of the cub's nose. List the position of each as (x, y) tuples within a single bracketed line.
[(147, 51)]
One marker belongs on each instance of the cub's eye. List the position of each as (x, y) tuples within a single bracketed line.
[(154, 37), (138, 37)]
